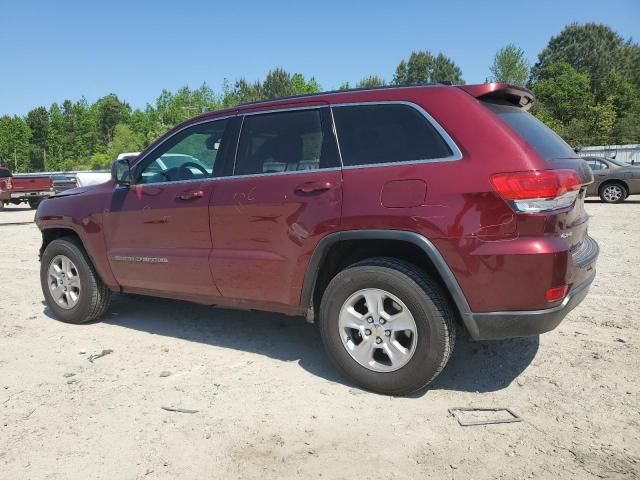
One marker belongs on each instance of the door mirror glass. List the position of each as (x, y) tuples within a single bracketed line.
[(121, 172)]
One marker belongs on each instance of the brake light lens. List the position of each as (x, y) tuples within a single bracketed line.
[(537, 190), (557, 293)]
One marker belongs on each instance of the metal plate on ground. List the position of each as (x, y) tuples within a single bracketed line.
[(510, 417)]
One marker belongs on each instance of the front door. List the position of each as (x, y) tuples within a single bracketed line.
[(157, 230), (285, 195)]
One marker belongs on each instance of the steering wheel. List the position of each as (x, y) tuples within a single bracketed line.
[(196, 166)]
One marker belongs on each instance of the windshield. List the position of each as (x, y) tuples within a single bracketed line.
[(548, 144)]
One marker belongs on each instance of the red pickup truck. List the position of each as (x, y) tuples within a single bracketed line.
[(25, 188)]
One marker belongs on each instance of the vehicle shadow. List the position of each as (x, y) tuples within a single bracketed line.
[(621, 203), (473, 367)]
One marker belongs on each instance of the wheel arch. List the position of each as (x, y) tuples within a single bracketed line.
[(339, 250), (53, 232)]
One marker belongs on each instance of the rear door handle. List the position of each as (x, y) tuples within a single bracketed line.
[(310, 187), (190, 195)]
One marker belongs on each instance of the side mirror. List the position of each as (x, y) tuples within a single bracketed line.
[(121, 172)]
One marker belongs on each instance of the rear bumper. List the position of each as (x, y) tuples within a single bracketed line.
[(502, 325), (43, 193)]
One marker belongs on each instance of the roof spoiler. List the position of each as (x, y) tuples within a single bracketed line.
[(518, 96)]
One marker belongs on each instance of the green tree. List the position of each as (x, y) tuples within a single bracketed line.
[(423, 67), (590, 48), (38, 121), (445, 70), (55, 138), (417, 69), (564, 92), (276, 84), (124, 140), (510, 65), (301, 86), (15, 135), (110, 111), (371, 81)]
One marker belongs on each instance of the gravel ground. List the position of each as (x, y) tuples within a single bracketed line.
[(269, 405)]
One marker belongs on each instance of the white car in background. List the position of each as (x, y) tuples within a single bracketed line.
[(86, 179)]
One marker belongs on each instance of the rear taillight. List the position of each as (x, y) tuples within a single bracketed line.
[(538, 190)]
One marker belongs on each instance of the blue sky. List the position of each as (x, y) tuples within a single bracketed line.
[(50, 51)]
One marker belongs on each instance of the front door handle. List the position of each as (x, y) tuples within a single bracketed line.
[(190, 195), (310, 187)]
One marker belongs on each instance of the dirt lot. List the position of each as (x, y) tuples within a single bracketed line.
[(270, 405)]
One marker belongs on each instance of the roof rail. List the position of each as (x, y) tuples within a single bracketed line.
[(348, 90)]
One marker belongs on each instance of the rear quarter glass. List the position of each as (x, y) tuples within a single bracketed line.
[(544, 140)]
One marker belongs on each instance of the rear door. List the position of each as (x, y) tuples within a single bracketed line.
[(157, 231), (284, 196)]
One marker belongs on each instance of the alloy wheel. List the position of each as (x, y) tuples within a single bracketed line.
[(377, 330), (612, 193), (64, 282)]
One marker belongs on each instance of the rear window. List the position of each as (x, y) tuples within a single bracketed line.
[(4, 173), (371, 134), (548, 143)]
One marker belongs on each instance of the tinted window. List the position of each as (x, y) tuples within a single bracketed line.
[(284, 142), (537, 134), (370, 134), (189, 155), (4, 173)]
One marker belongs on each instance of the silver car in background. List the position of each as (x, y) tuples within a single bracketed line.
[(613, 181)]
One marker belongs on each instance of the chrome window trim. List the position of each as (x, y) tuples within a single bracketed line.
[(324, 104), (271, 174), (335, 136), (141, 159), (456, 152)]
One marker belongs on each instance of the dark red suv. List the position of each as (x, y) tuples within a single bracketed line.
[(391, 216)]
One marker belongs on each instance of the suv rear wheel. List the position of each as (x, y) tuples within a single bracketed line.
[(70, 283), (387, 326)]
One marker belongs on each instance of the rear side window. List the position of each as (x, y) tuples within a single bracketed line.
[(371, 134), (596, 164), (285, 142), (548, 143)]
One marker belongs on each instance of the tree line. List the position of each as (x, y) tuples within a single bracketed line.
[(586, 82)]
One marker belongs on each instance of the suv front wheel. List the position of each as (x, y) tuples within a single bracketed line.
[(72, 288), (387, 325)]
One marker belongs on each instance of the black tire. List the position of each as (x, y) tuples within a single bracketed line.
[(1, 205), (34, 203), (431, 309), (606, 197), (94, 296)]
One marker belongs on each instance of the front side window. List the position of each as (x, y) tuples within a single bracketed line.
[(190, 155), (284, 142), (372, 134)]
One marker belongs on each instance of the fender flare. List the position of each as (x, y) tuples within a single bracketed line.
[(423, 243)]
